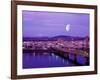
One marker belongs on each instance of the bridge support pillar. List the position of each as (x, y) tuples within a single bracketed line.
[(87, 61), (75, 58), (67, 55)]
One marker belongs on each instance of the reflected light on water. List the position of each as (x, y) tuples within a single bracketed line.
[(45, 59)]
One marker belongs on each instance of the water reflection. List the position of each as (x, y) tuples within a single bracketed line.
[(44, 59)]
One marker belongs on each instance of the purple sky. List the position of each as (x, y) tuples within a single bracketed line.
[(38, 24)]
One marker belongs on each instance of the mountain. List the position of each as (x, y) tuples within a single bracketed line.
[(68, 38), (35, 38)]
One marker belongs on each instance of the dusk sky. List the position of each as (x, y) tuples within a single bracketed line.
[(50, 24)]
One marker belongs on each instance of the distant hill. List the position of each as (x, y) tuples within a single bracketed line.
[(68, 38)]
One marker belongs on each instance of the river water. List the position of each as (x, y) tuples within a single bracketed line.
[(46, 60)]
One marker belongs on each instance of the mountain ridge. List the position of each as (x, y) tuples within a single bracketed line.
[(63, 37)]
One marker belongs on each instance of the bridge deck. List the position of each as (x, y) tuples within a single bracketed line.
[(72, 51), (63, 50)]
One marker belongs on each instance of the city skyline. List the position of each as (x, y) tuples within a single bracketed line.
[(50, 24)]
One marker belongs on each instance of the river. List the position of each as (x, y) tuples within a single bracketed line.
[(46, 60)]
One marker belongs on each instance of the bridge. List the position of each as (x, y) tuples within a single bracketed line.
[(64, 52)]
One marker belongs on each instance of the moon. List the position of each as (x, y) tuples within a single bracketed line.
[(68, 27)]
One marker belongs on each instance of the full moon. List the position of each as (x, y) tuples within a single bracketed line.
[(67, 27)]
